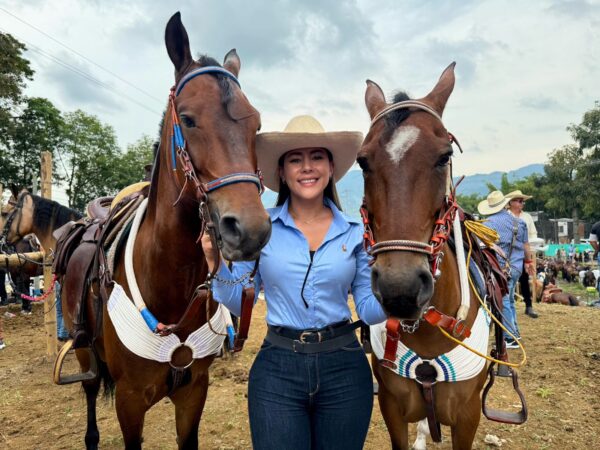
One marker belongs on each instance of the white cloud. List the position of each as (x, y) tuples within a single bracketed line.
[(524, 70)]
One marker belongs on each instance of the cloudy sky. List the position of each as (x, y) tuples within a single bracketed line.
[(525, 70)]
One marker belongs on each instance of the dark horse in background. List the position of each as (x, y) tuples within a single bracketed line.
[(218, 126), (406, 162)]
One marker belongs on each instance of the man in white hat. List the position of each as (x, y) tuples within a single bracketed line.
[(514, 243), (516, 204), (311, 381)]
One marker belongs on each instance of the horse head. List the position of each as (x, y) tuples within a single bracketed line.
[(213, 126), (17, 218), (406, 163)]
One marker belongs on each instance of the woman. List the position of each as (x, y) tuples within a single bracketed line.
[(310, 386)]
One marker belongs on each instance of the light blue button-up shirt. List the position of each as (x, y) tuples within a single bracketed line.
[(504, 222), (339, 265)]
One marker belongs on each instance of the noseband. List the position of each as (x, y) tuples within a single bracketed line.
[(443, 224)]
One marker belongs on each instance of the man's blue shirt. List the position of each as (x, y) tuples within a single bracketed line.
[(339, 265), (503, 222)]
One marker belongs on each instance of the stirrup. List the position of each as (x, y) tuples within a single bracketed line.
[(91, 374), (514, 418)]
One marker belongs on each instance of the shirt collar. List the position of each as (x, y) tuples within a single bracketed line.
[(341, 221)]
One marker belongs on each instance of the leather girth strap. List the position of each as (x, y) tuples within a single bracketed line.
[(426, 376)]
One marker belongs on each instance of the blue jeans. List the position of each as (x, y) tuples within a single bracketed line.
[(319, 401), (61, 331), (509, 311)]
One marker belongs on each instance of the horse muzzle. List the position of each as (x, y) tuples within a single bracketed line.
[(403, 293), (242, 240)]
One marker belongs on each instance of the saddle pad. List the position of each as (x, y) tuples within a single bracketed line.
[(458, 364), (137, 337), (132, 188)]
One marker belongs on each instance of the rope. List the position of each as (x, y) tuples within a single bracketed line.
[(483, 232), (487, 232)]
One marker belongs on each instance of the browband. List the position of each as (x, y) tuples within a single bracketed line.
[(201, 71)]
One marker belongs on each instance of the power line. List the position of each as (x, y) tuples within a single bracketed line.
[(84, 57), (85, 75)]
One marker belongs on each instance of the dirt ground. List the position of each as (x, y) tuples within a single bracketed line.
[(560, 382)]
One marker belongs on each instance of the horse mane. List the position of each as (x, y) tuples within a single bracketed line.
[(49, 215), (394, 118)]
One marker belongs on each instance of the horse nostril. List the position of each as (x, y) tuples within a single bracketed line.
[(230, 228)]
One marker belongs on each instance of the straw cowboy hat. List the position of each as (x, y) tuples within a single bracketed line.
[(494, 202), (517, 194), (305, 132)]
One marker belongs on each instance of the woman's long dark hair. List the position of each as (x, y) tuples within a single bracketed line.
[(330, 190)]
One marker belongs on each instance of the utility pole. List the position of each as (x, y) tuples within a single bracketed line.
[(49, 314)]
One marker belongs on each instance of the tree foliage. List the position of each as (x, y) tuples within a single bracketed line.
[(90, 153), (38, 128)]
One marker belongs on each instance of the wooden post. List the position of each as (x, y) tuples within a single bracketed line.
[(534, 281), (49, 310)]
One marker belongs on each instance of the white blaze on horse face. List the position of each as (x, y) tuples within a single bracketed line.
[(403, 139)]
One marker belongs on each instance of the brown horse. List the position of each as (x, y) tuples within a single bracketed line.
[(406, 162), (214, 150), (32, 214)]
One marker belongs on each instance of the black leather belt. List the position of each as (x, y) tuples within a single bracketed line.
[(320, 340)]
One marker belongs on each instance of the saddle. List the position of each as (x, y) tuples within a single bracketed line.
[(86, 241)]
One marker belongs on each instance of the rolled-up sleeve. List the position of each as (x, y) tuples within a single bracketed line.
[(367, 306)]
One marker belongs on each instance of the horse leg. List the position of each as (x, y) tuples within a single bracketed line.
[(92, 436), (189, 403), (463, 433), (131, 410), (397, 428)]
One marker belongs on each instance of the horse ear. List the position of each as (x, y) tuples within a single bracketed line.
[(442, 90), (374, 98), (178, 43), (232, 62)]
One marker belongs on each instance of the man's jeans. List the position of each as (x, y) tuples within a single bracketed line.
[(61, 331), (319, 401), (509, 311)]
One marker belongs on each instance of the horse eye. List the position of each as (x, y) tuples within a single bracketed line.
[(444, 160), (363, 163), (187, 122)]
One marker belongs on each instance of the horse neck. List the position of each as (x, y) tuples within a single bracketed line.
[(168, 262), (57, 220)]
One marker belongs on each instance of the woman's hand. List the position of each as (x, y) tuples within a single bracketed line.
[(209, 252)]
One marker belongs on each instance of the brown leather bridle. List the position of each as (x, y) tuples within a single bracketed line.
[(443, 225)]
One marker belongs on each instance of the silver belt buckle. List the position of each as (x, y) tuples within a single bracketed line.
[(305, 334)]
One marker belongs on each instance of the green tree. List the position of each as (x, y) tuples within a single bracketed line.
[(565, 186), (91, 153), (38, 128), (130, 167), (14, 71), (587, 136), (469, 202)]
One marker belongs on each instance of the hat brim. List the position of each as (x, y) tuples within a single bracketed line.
[(343, 145), (485, 209), (523, 196)]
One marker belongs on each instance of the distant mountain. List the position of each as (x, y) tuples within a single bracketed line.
[(476, 184), (350, 189)]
